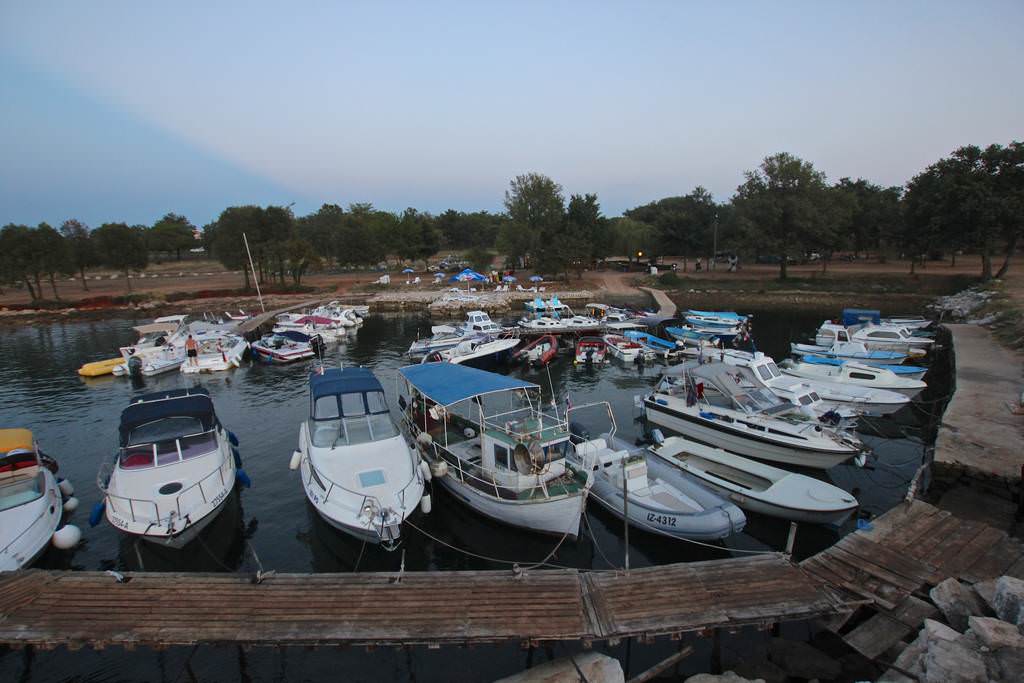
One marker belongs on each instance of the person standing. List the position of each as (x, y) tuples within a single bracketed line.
[(192, 351)]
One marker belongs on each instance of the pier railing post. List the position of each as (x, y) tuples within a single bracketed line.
[(791, 539)]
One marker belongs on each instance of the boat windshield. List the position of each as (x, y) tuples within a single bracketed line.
[(350, 419), (20, 491), (165, 442)]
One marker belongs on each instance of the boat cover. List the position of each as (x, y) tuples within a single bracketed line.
[(718, 314), (314, 320), (859, 316), (15, 439), (448, 383), (152, 328), (175, 403), (336, 381)]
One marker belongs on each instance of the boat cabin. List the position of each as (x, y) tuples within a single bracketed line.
[(166, 429), (478, 322), (347, 407), (721, 385), (829, 333), (21, 479), (553, 308)]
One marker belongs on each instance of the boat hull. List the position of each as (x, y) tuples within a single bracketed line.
[(556, 516)]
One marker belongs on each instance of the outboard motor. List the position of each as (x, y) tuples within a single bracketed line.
[(135, 366), (578, 433), (316, 342)]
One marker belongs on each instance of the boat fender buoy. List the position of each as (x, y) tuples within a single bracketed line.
[(657, 436), (861, 459), (96, 514), (439, 468), (233, 439), (66, 537), (66, 487), (424, 439), (425, 504), (242, 478), (425, 470), (468, 432), (70, 505), (238, 458), (296, 460)]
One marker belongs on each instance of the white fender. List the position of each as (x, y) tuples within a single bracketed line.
[(424, 438), (67, 537), (425, 504), (70, 505), (67, 488), (295, 461), (425, 470), (439, 468)]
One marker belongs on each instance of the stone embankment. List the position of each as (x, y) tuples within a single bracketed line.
[(961, 306)]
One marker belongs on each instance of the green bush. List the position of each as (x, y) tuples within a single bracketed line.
[(669, 279)]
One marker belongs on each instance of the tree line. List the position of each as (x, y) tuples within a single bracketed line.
[(971, 200)]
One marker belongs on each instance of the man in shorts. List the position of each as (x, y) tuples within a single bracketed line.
[(192, 350)]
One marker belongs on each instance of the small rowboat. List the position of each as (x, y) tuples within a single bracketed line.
[(757, 487), (623, 348)]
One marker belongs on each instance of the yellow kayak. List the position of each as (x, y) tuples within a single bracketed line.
[(100, 367)]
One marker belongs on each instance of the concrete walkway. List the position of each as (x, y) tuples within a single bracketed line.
[(979, 431), (666, 309)]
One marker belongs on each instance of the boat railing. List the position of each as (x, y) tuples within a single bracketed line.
[(513, 426), (345, 495)]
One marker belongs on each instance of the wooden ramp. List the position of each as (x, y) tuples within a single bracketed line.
[(891, 568), (53, 608)]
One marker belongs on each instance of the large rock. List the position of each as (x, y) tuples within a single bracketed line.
[(957, 602), (1008, 599), (995, 633), (727, 677), (936, 630), (801, 660), (948, 661), (1006, 664), (986, 590), (912, 657)]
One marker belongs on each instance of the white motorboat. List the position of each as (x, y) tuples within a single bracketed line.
[(874, 337), (908, 371), (757, 487), (656, 346), (218, 349), (286, 347), (345, 316), (160, 348), (546, 325), (174, 469), (714, 403), (849, 351), (357, 470), (552, 308), (623, 348), (811, 393), (489, 442), (911, 322), (854, 374), (480, 323), (590, 351), (723, 323), (655, 496), (328, 330), (442, 337), (32, 502), (476, 352)]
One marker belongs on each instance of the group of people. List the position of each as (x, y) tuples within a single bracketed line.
[(734, 264)]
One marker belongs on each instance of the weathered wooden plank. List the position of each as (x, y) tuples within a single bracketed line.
[(876, 635), (1000, 557), (895, 561), (977, 546), (936, 536)]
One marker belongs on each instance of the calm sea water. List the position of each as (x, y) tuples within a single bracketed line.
[(272, 526)]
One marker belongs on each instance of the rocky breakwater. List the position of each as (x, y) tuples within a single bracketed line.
[(962, 306), (452, 304), (983, 639)]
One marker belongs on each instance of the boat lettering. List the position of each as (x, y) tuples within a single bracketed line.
[(666, 520), (313, 495), (117, 521), (218, 498)]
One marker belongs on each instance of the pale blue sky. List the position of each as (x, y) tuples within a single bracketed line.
[(124, 111)]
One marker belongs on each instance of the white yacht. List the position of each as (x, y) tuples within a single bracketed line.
[(479, 323), (874, 337), (546, 325), (852, 374), (159, 349), (357, 469), (715, 404), (477, 352), (173, 470), (489, 441), (32, 502), (219, 348), (831, 395)]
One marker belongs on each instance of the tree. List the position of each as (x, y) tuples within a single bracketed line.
[(781, 206), (224, 237), (584, 229), (122, 248), (323, 230), (633, 238), (19, 258), (81, 251), (1006, 166), (301, 256), (536, 206), (685, 225), (172, 233), (52, 253)]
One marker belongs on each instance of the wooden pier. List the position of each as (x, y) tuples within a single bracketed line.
[(891, 567), (254, 323), (75, 609)]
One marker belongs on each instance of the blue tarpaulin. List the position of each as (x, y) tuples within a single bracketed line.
[(447, 383)]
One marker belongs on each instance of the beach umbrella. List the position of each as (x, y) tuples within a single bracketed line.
[(536, 278), (467, 275), (509, 278), (408, 270)]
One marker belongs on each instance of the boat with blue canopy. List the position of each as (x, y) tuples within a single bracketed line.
[(713, 319), (357, 470), (662, 348), (909, 371), (490, 442)]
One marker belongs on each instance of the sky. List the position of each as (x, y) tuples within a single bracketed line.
[(123, 111)]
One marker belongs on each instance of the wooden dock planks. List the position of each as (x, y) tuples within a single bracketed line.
[(50, 608)]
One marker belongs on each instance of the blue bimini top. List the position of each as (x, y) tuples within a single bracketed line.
[(447, 383)]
